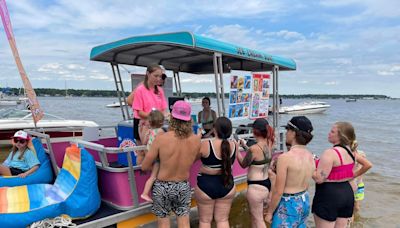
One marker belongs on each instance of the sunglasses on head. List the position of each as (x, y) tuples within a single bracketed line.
[(291, 126), (17, 140)]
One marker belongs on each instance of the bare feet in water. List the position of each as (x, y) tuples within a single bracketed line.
[(146, 197)]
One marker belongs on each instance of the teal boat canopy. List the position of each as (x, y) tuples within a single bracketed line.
[(186, 52)]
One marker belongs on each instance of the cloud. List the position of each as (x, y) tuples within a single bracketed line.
[(49, 67), (393, 70), (75, 66), (118, 14), (331, 83)]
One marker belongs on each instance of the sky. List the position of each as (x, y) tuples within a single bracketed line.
[(339, 46)]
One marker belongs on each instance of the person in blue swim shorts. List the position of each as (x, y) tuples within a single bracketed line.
[(290, 203)]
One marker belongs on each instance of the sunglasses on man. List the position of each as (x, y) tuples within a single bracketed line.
[(17, 140)]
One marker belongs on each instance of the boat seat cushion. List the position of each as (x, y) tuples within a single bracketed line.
[(74, 193), (43, 175)]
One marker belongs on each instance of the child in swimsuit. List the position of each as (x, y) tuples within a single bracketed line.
[(156, 120), (359, 186), (21, 161)]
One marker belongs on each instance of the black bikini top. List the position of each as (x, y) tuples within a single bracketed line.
[(265, 161), (212, 161)]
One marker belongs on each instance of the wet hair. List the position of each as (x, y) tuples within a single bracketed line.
[(156, 119), (223, 127), (347, 135), (302, 137), (182, 129), (151, 69), (208, 99)]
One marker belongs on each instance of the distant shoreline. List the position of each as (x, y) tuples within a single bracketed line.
[(48, 92)]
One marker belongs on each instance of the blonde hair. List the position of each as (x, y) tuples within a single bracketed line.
[(14, 149), (156, 119), (347, 135)]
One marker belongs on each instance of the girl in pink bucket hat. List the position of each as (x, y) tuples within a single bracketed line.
[(21, 161)]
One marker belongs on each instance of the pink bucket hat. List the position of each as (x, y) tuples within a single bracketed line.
[(21, 135), (181, 110)]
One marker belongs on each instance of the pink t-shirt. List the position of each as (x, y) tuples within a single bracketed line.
[(145, 100)]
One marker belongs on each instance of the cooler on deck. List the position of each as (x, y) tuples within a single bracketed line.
[(125, 139)]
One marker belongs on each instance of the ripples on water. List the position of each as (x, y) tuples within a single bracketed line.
[(377, 124)]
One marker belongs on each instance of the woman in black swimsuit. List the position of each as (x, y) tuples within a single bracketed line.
[(258, 158), (215, 189)]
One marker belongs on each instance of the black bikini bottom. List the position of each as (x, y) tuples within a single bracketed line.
[(266, 183)]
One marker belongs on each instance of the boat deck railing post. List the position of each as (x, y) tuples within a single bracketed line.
[(216, 58), (49, 149)]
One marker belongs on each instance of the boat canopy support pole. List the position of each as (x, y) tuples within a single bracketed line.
[(221, 80), (120, 91), (177, 82), (218, 73), (275, 106), (132, 180)]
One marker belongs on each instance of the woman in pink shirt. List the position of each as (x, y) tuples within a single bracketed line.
[(148, 96)]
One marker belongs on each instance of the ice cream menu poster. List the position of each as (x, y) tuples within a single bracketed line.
[(240, 94), (260, 95)]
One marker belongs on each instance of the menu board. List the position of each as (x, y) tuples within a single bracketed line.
[(240, 94), (260, 95)]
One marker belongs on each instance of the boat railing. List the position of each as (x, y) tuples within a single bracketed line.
[(105, 165), (45, 138)]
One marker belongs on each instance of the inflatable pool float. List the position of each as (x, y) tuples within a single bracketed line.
[(44, 175), (74, 193)]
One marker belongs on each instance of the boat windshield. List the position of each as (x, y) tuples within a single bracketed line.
[(12, 113)]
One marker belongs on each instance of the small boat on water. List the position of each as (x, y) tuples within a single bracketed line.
[(305, 108), (115, 104), (351, 100), (12, 120), (194, 100)]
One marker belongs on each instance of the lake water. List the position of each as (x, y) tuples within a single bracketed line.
[(377, 124)]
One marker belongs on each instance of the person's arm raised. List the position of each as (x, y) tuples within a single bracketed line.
[(248, 158)]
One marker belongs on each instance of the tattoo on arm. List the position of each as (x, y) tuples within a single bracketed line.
[(324, 176), (247, 159)]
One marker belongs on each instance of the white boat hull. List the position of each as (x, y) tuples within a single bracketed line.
[(305, 108)]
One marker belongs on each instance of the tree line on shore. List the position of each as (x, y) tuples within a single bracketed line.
[(112, 93)]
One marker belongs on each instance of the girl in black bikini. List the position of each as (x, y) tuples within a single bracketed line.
[(258, 158)]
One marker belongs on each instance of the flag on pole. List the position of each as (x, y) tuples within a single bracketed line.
[(37, 112)]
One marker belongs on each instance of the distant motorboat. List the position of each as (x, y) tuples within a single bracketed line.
[(115, 104), (351, 100), (305, 108), (194, 100), (8, 102), (12, 120)]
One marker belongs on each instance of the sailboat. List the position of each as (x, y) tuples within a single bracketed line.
[(67, 96)]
